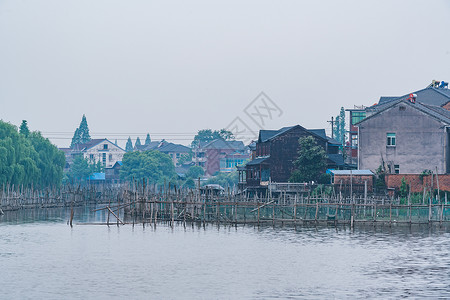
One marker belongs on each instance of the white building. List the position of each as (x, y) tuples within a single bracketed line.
[(101, 150)]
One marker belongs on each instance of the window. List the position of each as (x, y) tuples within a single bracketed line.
[(357, 116), (178, 155), (354, 140), (104, 158), (391, 140), (397, 169), (110, 157), (105, 147), (91, 156)]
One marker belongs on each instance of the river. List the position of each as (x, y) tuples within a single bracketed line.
[(41, 257)]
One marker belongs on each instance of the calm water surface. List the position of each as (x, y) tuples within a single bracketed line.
[(43, 258)]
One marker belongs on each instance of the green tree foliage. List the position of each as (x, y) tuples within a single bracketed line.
[(76, 139), (81, 134), (208, 135), (80, 169), (84, 131), (152, 165), (28, 161), (380, 175), (225, 179), (23, 129), (138, 142), (339, 127), (190, 183), (97, 167), (129, 145), (185, 158), (148, 140), (404, 188), (311, 161), (195, 172)]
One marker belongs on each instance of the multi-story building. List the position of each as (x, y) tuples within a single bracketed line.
[(276, 151), (405, 136), (94, 151)]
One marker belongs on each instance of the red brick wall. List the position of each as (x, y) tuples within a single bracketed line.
[(417, 185)]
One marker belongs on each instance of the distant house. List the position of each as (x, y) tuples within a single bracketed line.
[(96, 178), (436, 94), (276, 151), (94, 151), (151, 146), (406, 136), (175, 151), (356, 114), (101, 150), (229, 162), (221, 150), (353, 181), (112, 174), (199, 154)]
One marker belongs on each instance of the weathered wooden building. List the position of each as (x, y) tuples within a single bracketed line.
[(276, 151)]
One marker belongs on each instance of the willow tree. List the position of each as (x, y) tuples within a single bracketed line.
[(28, 161)]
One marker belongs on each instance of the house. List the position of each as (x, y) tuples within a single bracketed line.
[(405, 136), (112, 174), (96, 178), (352, 181), (199, 154), (220, 150), (175, 151), (146, 147), (229, 162), (101, 150), (356, 114), (276, 151), (436, 94), (95, 150)]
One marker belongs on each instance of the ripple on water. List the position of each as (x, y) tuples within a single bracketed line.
[(51, 260)]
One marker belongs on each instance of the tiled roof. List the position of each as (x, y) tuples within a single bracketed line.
[(265, 135), (338, 159), (171, 147), (92, 143), (151, 146), (435, 111), (89, 144), (222, 144), (429, 95), (352, 172), (257, 161)]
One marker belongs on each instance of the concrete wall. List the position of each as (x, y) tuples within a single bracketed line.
[(420, 140)]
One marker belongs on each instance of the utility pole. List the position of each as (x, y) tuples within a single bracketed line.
[(332, 127)]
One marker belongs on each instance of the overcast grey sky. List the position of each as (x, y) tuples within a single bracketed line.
[(180, 66)]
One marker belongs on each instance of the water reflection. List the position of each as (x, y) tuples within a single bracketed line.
[(42, 257)]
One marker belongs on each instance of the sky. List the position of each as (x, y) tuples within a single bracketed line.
[(171, 68)]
